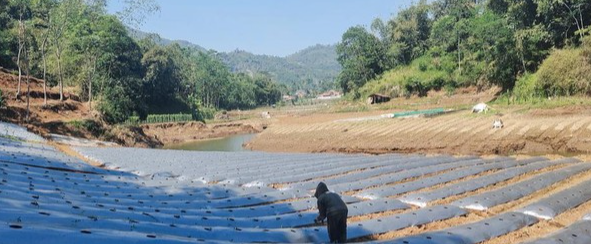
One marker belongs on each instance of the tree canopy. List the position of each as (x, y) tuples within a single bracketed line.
[(75, 43), (450, 43)]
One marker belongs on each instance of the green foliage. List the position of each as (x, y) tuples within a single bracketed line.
[(200, 112), (6, 39), (313, 68), (161, 77), (158, 118), (91, 51), (116, 103), (133, 121), (586, 52), (418, 78), (491, 51), (204, 113), (361, 55), (565, 73), (470, 43), (166, 118), (92, 126), (527, 88), (410, 33)]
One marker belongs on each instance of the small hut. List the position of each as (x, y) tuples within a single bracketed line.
[(377, 98)]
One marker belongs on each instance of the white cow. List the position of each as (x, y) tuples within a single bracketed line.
[(479, 108)]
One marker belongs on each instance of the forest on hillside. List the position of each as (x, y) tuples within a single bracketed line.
[(313, 69), (76, 44), (529, 48)]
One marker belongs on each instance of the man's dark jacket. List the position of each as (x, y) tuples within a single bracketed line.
[(328, 202)]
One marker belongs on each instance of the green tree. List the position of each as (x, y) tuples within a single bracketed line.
[(360, 55), (6, 37), (41, 14), (267, 91), (491, 46), (410, 33), (160, 80), (59, 22), (565, 20), (118, 103), (22, 16)]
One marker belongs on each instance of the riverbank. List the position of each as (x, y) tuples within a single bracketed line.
[(234, 143), (177, 133)]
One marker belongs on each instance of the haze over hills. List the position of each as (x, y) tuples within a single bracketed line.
[(314, 68)]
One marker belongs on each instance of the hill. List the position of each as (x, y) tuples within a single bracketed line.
[(314, 68), (137, 34)]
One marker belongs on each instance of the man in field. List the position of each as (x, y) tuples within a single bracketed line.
[(332, 207)]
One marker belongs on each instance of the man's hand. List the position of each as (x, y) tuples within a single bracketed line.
[(319, 220)]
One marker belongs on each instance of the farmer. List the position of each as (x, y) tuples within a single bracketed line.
[(332, 207)]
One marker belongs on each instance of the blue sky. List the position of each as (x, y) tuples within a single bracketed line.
[(273, 27)]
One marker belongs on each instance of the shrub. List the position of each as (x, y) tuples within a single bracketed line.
[(526, 88), (116, 105), (423, 66), (94, 127), (587, 48), (565, 72), (450, 88), (204, 113), (133, 120)]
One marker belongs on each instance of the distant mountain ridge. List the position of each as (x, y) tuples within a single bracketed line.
[(138, 35), (313, 68)]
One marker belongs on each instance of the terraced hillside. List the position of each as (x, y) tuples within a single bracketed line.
[(164, 196), (456, 133)]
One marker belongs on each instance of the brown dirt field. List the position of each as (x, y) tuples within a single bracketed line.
[(564, 130)]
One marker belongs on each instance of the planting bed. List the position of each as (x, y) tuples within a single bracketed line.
[(166, 196)]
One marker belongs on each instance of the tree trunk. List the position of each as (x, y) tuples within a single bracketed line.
[(581, 17), (90, 97), (90, 75), (459, 56), (59, 71), (21, 36), (44, 71), (28, 95), (27, 70), (20, 73)]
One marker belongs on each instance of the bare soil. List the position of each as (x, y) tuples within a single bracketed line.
[(172, 133), (564, 130)]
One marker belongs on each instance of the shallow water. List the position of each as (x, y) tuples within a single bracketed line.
[(226, 144)]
